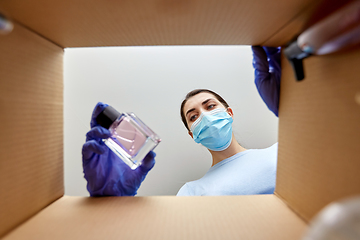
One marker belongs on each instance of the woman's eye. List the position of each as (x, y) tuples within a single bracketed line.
[(211, 106), (193, 117)]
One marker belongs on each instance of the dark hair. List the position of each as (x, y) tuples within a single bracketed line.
[(193, 93)]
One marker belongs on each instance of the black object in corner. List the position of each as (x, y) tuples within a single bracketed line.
[(295, 56)]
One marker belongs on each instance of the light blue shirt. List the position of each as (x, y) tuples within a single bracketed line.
[(246, 173)]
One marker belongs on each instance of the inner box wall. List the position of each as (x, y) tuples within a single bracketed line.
[(31, 129)]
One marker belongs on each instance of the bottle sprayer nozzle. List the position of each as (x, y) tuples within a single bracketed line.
[(295, 55)]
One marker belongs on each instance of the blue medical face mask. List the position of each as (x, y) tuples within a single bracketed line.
[(213, 129)]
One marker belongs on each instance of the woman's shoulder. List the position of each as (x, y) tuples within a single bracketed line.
[(273, 147), (263, 154), (184, 190)]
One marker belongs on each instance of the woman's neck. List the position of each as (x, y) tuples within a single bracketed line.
[(233, 149)]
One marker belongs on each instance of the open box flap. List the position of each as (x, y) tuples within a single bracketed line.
[(91, 23), (164, 217), (319, 133), (31, 129)]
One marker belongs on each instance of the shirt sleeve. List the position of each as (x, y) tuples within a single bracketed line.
[(184, 191)]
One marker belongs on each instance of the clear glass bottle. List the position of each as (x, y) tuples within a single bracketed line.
[(131, 139)]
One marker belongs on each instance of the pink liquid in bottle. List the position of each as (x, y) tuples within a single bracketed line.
[(130, 138)]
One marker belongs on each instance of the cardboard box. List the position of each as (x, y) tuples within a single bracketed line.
[(318, 160)]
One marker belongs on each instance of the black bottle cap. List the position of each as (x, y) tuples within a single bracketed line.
[(107, 117)]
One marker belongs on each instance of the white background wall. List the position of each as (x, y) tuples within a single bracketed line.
[(152, 82)]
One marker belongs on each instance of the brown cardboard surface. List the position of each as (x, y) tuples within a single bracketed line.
[(294, 27), (319, 132), (166, 217), (31, 102), (86, 23), (318, 136)]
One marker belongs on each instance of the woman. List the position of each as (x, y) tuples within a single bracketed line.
[(208, 119), (235, 170)]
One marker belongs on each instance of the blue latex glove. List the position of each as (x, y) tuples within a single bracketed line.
[(267, 67), (106, 174)]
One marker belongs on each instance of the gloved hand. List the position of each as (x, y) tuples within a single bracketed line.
[(267, 67), (106, 174)]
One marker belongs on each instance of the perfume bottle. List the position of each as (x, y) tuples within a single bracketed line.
[(131, 139), (338, 31)]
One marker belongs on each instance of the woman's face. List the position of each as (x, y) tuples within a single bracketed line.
[(202, 102)]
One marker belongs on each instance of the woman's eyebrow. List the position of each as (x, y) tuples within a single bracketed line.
[(189, 111), (203, 103), (206, 101)]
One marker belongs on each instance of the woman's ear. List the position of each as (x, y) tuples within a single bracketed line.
[(191, 134), (230, 111)]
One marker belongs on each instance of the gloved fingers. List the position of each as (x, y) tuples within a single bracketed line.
[(148, 163), (274, 58), (97, 110), (91, 147), (97, 133), (271, 50), (259, 53), (260, 59)]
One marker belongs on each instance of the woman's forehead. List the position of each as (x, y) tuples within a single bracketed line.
[(197, 100)]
